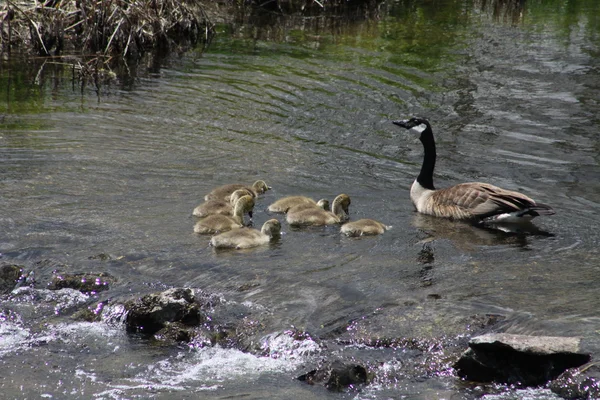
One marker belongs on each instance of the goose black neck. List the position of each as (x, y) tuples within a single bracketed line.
[(425, 177)]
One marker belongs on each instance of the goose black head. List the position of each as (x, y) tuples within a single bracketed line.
[(421, 124)]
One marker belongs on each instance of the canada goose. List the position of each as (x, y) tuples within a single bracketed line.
[(220, 223), (364, 227), (317, 216), (223, 207), (284, 204), (224, 192), (466, 201), (244, 238)]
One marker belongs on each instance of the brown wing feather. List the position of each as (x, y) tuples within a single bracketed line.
[(479, 200)]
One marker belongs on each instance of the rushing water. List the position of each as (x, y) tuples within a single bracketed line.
[(513, 97)]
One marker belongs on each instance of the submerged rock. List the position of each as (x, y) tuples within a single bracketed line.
[(337, 375), (153, 312), (578, 383), (9, 277), (85, 283), (519, 359)]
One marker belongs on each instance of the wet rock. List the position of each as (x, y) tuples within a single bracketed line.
[(173, 333), (519, 359), (85, 283), (152, 312), (9, 277), (90, 314), (578, 383), (337, 375)]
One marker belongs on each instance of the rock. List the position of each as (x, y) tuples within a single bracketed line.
[(578, 383), (9, 277), (85, 283), (173, 333), (152, 312), (519, 359), (337, 375)]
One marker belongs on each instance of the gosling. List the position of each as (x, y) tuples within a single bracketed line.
[(316, 216), (221, 223), (224, 192), (245, 238), (364, 227), (223, 207), (322, 204), (284, 204)]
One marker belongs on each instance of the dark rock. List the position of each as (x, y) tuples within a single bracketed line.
[(337, 375), (174, 332), (578, 383), (152, 312), (85, 283), (519, 359), (9, 277)]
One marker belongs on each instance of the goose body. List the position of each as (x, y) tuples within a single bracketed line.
[(221, 223), (466, 201), (284, 204), (244, 238), (223, 207), (317, 216), (364, 227), (224, 192)]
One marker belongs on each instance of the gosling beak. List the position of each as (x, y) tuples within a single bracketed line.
[(401, 122)]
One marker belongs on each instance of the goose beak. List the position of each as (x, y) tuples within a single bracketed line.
[(401, 122)]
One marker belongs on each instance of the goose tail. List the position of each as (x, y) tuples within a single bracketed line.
[(541, 209)]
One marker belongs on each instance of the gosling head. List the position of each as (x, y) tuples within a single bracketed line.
[(343, 200), (244, 204), (260, 186), (238, 194), (272, 228), (324, 204)]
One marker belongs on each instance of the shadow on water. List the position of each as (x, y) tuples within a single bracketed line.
[(468, 236)]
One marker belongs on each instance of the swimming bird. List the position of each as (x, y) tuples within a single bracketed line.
[(364, 227), (475, 201), (221, 223), (318, 216), (284, 204), (223, 207), (224, 192), (322, 204), (244, 238)]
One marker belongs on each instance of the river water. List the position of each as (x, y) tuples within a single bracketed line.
[(513, 97)]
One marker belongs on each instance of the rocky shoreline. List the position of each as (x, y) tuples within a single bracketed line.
[(194, 318)]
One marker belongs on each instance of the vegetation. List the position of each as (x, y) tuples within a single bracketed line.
[(98, 34)]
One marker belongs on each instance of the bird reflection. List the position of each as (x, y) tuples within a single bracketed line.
[(468, 236)]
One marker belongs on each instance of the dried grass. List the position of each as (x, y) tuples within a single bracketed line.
[(107, 28)]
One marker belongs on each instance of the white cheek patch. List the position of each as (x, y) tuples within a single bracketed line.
[(420, 128)]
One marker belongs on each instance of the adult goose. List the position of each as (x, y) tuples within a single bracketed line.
[(364, 227), (475, 201), (223, 207), (224, 192), (245, 238), (221, 223), (317, 216)]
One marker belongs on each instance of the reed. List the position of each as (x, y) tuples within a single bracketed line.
[(109, 28)]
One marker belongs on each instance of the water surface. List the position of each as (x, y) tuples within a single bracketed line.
[(513, 99)]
